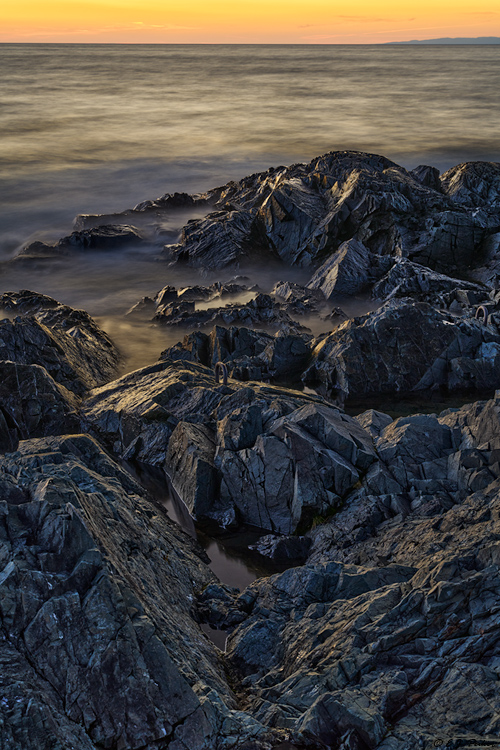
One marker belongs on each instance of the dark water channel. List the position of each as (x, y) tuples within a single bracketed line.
[(229, 554)]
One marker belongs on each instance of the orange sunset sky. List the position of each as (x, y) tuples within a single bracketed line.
[(245, 21)]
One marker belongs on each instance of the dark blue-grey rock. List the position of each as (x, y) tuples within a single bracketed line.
[(66, 342), (401, 347)]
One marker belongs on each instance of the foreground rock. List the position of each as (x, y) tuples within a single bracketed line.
[(388, 637), (402, 347), (264, 455), (32, 404), (99, 645)]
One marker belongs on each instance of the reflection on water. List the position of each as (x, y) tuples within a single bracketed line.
[(230, 557)]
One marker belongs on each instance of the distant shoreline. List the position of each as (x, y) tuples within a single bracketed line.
[(453, 40), (445, 41)]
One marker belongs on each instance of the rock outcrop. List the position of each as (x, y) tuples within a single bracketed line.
[(246, 452), (67, 343), (401, 347), (99, 643), (248, 354)]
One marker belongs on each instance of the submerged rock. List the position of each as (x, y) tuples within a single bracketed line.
[(103, 237)]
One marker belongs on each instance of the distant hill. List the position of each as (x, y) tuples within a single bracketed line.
[(454, 40)]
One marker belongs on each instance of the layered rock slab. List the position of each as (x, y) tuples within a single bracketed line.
[(265, 455), (32, 404), (100, 647)]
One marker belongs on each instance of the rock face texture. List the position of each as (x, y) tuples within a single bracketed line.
[(248, 354), (66, 342), (302, 214), (405, 346), (264, 455), (98, 642), (385, 633)]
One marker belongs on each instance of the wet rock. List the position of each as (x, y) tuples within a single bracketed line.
[(401, 347), (283, 548), (98, 600), (74, 351)]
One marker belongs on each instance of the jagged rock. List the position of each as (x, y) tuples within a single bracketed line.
[(452, 241), (428, 176), (473, 184), (67, 343), (219, 240), (283, 548), (299, 298), (248, 354), (268, 456), (260, 311), (32, 404), (404, 346), (373, 421), (408, 279), (383, 658), (99, 642), (349, 271)]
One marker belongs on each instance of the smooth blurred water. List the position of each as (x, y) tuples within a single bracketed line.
[(96, 128)]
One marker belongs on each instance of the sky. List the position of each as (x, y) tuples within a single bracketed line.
[(245, 21)]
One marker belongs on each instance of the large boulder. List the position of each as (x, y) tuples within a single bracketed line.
[(264, 455)]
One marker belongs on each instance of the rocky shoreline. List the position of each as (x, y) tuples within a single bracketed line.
[(384, 631)]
